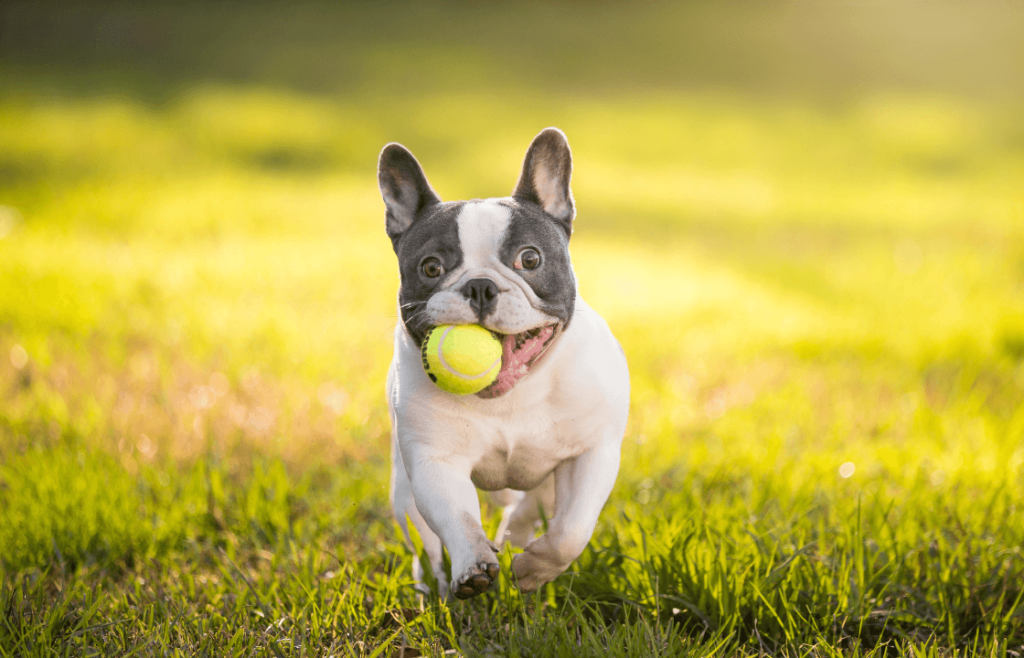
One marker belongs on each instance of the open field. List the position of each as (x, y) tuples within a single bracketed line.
[(819, 287)]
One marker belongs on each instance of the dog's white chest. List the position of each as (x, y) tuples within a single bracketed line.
[(521, 453)]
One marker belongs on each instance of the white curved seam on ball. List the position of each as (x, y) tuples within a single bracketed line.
[(440, 357)]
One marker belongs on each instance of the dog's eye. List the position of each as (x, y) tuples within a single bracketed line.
[(528, 259), (432, 268)]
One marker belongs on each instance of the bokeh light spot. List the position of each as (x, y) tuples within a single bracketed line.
[(715, 408), (19, 357), (201, 397), (219, 384), (333, 397), (9, 218)]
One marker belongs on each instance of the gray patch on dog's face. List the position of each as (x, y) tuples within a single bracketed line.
[(436, 234), (553, 282)]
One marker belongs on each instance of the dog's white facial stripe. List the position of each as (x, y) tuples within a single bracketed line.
[(482, 228)]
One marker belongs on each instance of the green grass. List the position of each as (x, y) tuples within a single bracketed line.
[(819, 286)]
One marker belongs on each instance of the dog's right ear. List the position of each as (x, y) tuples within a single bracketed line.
[(404, 187), (545, 178)]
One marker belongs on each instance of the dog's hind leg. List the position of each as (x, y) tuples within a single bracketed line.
[(582, 486), (522, 512), (404, 508)]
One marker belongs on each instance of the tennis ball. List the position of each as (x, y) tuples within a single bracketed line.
[(461, 359)]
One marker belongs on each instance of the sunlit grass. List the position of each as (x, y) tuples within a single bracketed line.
[(822, 306)]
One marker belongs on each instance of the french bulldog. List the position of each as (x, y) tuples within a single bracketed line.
[(545, 437)]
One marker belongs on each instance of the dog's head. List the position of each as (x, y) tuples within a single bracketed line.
[(500, 263)]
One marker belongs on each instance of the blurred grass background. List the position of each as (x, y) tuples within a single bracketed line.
[(803, 220)]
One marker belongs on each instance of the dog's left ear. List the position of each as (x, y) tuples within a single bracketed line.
[(404, 187), (545, 178)]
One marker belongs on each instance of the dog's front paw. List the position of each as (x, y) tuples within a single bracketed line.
[(475, 580)]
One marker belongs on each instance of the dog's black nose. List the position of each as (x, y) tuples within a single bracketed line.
[(482, 295)]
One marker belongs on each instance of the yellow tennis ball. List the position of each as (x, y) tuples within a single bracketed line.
[(462, 359)]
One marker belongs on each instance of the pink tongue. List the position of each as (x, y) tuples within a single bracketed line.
[(516, 363)]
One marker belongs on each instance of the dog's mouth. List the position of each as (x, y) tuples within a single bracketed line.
[(519, 352)]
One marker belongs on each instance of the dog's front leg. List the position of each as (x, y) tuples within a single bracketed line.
[(448, 502), (582, 486)]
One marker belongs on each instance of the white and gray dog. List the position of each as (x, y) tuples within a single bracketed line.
[(546, 435)]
